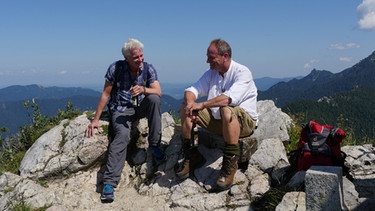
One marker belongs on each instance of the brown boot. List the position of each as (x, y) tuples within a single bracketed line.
[(227, 172), (193, 160)]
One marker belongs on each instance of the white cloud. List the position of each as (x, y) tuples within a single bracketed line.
[(63, 72), (31, 71), (366, 11), (340, 46), (345, 59), (309, 64)]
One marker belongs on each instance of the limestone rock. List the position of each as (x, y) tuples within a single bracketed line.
[(361, 163), (293, 201), (64, 170)]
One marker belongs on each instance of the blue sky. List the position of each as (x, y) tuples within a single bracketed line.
[(72, 42)]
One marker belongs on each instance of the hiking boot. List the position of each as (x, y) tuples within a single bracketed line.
[(193, 160), (227, 172), (107, 195)]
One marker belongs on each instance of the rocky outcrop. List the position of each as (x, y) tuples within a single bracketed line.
[(63, 171), (63, 150), (361, 163)]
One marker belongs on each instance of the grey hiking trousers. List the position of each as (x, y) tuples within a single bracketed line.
[(150, 107)]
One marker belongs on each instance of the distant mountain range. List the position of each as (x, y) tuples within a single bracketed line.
[(322, 83), (283, 91), (266, 82), (13, 114)]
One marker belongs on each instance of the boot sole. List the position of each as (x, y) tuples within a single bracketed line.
[(107, 200), (183, 177), (223, 188)]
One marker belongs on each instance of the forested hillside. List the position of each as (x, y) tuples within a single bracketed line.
[(352, 111)]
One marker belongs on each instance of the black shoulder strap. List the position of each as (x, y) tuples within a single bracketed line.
[(333, 131), (118, 69), (145, 72), (119, 66)]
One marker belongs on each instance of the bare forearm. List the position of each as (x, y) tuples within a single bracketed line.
[(101, 104), (189, 97), (150, 90), (153, 89), (95, 122), (219, 101)]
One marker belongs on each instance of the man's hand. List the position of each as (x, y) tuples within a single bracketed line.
[(137, 90), (191, 110), (90, 129)]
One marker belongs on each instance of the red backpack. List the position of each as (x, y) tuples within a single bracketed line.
[(319, 145)]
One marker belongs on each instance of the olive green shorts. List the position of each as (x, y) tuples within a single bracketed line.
[(207, 121)]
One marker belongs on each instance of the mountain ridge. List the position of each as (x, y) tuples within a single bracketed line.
[(19, 92), (321, 83)]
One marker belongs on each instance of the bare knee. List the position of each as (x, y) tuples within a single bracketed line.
[(182, 110), (226, 114)]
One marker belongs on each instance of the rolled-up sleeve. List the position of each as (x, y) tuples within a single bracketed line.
[(202, 86), (239, 91)]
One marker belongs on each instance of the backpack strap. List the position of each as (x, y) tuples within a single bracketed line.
[(333, 132), (145, 72), (119, 67)]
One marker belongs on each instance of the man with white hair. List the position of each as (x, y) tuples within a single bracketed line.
[(132, 91)]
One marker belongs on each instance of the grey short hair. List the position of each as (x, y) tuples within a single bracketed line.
[(131, 45), (222, 46)]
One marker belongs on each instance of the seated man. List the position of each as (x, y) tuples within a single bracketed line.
[(229, 111), (132, 91)]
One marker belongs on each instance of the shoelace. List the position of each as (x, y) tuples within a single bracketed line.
[(227, 166)]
